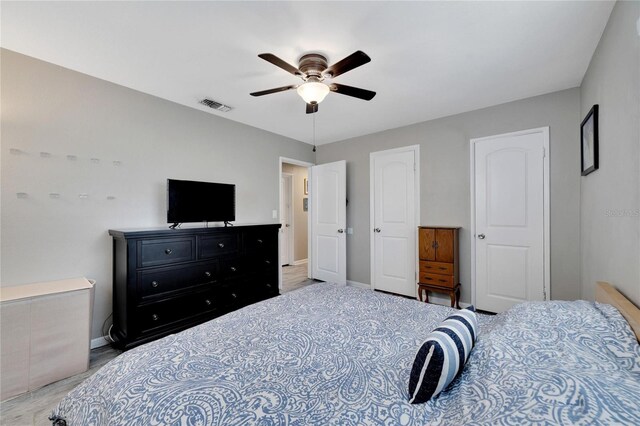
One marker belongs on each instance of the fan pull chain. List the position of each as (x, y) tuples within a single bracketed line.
[(314, 132)]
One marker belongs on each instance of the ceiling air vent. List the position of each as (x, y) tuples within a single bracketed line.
[(216, 105)]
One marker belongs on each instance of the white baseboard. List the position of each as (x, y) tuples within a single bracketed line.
[(300, 262), (445, 301), (359, 285), (436, 300), (99, 342)]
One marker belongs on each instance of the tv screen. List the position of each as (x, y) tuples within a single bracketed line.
[(191, 201)]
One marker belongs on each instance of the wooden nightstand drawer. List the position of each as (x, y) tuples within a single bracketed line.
[(435, 279), (436, 267)]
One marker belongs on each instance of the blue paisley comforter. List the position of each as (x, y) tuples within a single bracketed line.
[(330, 355)]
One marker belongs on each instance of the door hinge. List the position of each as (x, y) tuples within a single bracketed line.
[(544, 152), (544, 293)]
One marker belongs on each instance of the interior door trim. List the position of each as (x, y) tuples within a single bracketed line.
[(546, 209), (291, 257), (416, 177)]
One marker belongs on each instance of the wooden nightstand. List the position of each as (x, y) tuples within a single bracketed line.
[(439, 262)]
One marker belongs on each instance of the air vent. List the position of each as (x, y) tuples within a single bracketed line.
[(216, 105)]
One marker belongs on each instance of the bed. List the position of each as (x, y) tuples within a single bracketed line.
[(334, 355)]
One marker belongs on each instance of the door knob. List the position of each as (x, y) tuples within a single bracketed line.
[(287, 225), (376, 230), (340, 231), (481, 236)]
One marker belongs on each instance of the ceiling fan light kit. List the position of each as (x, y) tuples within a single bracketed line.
[(313, 92), (313, 69)]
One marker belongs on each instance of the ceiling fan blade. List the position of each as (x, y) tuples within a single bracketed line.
[(356, 92), (276, 90), (311, 108), (269, 57), (352, 61)]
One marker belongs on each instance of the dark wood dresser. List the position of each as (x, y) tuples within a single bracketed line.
[(439, 263), (166, 280)]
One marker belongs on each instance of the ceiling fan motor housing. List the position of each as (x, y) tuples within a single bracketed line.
[(313, 64)]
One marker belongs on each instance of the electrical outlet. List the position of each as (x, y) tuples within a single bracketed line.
[(350, 231), (274, 214)]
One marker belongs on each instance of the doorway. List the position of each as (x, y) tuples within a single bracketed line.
[(294, 220), (510, 254)]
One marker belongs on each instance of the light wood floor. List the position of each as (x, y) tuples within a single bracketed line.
[(34, 408), (295, 277)]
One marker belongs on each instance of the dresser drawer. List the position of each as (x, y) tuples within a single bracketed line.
[(233, 294), (436, 267), (165, 251), (165, 313), (218, 245), (435, 279), (262, 289), (233, 268), (261, 241), (262, 262), (157, 282)]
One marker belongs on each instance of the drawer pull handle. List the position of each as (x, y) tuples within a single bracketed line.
[(155, 317), (154, 284), (168, 251), (207, 274), (429, 279), (259, 241), (233, 269), (208, 302), (268, 262), (268, 285), (443, 269), (443, 281), (221, 245), (235, 296)]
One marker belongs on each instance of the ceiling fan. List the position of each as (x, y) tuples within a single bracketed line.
[(313, 69)]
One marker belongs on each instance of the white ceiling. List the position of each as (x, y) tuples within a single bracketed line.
[(429, 59)]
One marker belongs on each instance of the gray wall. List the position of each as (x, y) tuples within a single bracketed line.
[(444, 163), (46, 108), (300, 217), (610, 207)]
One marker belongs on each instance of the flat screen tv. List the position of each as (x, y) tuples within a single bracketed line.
[(191, 201)]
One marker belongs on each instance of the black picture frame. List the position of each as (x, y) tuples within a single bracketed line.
[(589, 142)]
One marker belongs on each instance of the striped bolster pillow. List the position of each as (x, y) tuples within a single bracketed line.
[(443, 355)]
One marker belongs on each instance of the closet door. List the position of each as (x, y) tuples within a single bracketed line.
[(510, 188), (393, 202)]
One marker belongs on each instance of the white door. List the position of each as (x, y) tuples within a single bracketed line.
[(328, 222), (285, 218), (393, 203), (510, 219)]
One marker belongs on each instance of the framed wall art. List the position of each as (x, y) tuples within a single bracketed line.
[(589, 142)]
